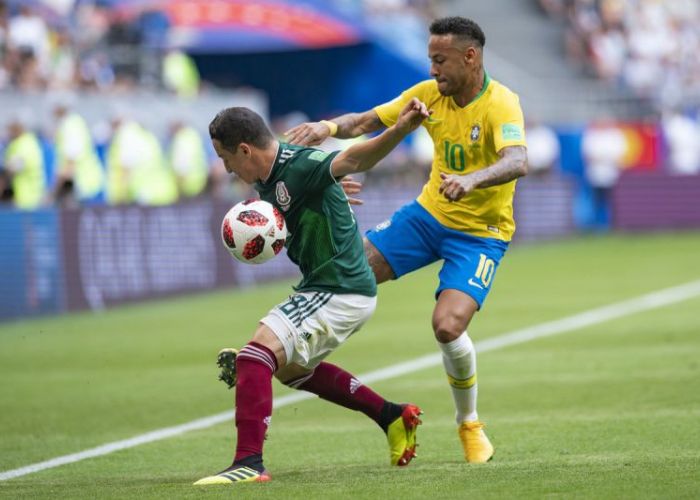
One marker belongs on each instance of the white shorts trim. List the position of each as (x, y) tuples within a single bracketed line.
[(311, 325)]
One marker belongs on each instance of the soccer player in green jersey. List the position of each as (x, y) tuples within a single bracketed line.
[(335, 297), (464, 215)]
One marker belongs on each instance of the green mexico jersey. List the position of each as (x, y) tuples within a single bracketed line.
[(323, 237)]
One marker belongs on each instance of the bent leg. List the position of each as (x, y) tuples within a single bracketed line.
[(398, 421), (452, 314), (332, 383), (381, 268), (403, 244)]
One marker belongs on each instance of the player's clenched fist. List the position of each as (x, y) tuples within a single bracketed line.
[(455, 187), (412, 115)]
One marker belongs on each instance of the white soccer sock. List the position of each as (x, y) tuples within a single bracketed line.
[(459, 359)]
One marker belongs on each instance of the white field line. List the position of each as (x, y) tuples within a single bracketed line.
[(639, 304)]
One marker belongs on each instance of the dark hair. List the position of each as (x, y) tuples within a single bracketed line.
[(232, 126), (461, 27)]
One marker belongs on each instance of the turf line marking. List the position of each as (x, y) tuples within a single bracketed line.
[(639, 304)]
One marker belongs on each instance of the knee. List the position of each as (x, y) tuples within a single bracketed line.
[(447, 327)]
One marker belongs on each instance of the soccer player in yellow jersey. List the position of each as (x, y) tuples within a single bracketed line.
[(464, 215)]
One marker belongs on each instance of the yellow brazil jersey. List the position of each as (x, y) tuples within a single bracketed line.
[(467, 139)]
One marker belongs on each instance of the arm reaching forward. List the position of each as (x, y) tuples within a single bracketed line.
[(363, 156), (343, 127)]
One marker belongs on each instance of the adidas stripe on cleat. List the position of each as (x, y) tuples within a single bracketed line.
[(235, 474), (401, 435), (226, 360)]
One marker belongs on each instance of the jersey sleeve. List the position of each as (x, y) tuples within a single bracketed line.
[(313, 168), (507, 123), (389, 112)]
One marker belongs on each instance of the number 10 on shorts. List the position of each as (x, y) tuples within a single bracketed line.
[(485, 270)]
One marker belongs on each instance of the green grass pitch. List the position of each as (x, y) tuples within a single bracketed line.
[(606, 411)]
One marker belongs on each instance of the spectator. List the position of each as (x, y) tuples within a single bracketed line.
[(153, 183), (187, 158), (604, 146), (682, 136), (649, 46), (24, 164), (80, 177), (122, 158), (136, 168), (4, 78), (28, 48), (63, 63), (180, 74), (543, 148)]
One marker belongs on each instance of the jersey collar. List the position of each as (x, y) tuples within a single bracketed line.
[(484, 86), (271, 175)]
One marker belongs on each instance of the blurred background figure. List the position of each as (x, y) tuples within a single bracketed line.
[(153, 182), (188, 159), (682, 135), (79, 174), (4, 60), (24, 163), (137, 171), (604, 146), (28, 49), (543, 148), (122, 158), (180, 74)]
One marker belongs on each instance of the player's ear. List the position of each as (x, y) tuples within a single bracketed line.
[(245, 149), (469, 54)]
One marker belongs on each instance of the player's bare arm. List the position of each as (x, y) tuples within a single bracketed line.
[(343, 127), (513, 164), (363, 156)]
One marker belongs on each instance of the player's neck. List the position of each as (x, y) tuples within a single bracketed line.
[(471, 91), (267, 160)]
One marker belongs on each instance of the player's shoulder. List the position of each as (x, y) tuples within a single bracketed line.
[(291, 153), (299, 161), (501, 93), (424, 90)]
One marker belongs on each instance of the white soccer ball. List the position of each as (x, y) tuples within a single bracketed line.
[(254, 231)]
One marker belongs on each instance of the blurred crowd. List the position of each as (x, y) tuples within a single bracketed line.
[(425, 9), (648, 46), (66, 162), (61, 163), (90, 47)]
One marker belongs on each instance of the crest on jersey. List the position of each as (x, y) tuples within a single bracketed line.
[(282, 195), (475, 133)]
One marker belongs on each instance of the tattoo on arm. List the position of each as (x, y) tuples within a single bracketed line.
[(355, 124), (513, 164)]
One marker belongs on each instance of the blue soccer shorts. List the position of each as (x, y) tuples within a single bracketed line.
[(413, 238)]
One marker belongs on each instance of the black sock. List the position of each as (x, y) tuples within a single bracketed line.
[(390, 412), (253, 461)]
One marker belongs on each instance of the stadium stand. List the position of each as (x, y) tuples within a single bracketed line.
[(649, 47)]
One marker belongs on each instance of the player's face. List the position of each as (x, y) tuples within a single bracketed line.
[(237, 162), (449, 64)]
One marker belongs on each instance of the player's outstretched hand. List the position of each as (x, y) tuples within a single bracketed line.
[(412, 115), (308, 134), (454, 187), (351, 187)]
